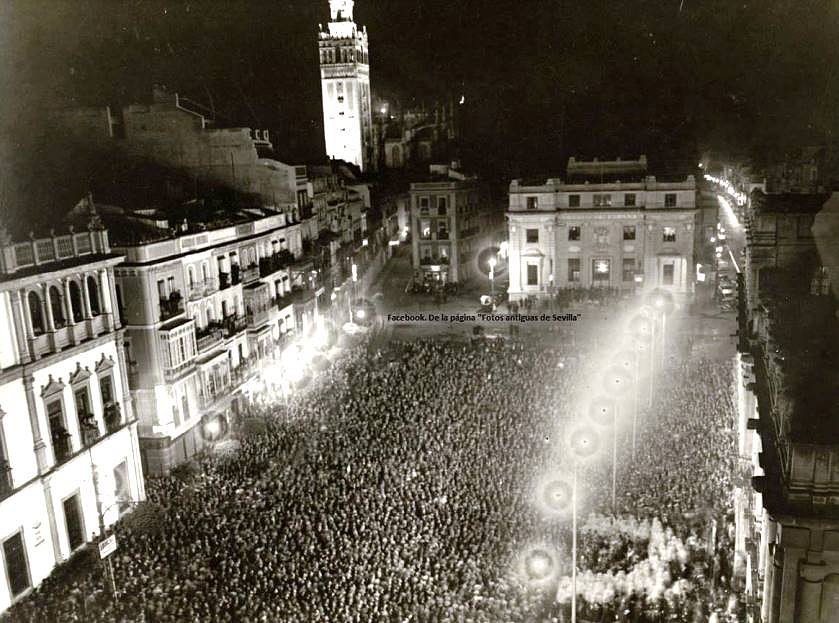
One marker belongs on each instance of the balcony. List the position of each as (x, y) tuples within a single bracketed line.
[(61, 445), (6, 486), (281, 302), (208, 337), (233, 325), (171, 306), (257, 316), (277, 261), (195, 291), (113, 417), (250, 274), (240, 374), (89, 430)]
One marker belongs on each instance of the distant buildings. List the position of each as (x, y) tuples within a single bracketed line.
[(788, 528), (608, 225), (345, 84), (414, 137), (69, 457), (451, 223)]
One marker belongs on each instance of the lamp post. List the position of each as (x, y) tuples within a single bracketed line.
[(584, 443), (492, 277)]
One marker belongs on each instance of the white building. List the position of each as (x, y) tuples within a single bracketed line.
[(609, 225), (345, 83), (69, 456), (204, 308)]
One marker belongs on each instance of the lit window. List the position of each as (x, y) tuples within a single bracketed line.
[(602, 201), (668, 234), (601, 270), (532, 203)]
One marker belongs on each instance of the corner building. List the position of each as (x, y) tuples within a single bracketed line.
[(608, 225), (69, 455)]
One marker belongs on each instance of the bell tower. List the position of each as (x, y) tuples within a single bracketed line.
[(345, 86)]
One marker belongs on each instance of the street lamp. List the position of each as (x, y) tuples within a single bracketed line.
[(492, 276), (584, 443)]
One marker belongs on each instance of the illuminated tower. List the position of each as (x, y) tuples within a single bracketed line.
[(345, 82)]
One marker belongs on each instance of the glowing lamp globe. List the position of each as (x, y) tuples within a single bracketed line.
[(616, 380), (602, 411), (539, 564), (213, 428), (584, 442), (626, 360), (360, 314), (641, 328), (556, 495)]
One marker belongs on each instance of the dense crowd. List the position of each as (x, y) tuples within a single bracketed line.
[(398, 487)]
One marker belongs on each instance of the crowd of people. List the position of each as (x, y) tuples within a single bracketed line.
[(398, 487)]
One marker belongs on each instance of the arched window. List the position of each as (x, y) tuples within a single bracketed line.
[(76, 301), (191, 273), (57, 307), (93, 292), (35, 314)]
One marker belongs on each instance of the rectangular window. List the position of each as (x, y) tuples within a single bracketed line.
[(573, 201), (574, 232), (106, 388), (573, 270), (17, 568), (628, 269), (185, 406), (668, 234), (55, 415), (532, 275), (425, 229), (629, 199), (532, 203), (532, 235), (669, 200), (170, 285), (601, 271), (161, 288), (667, 275), (82, 400), (629, 232), (74, 522), (602, 201), (441, 206)]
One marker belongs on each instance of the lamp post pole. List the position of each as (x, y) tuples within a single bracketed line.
[(614, 456), (574, 546), (635, 403)]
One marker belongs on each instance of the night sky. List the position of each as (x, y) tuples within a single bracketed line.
[(542, 79)]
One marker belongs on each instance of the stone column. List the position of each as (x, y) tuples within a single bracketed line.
[(37, 439), (104, 290), (112, 292), (23, 331), (810, 593), (46, 308), (122, 364), (88, 313), (68, 311)]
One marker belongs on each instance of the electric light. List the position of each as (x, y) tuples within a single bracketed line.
[(584, 442), (601, 411), (492, 262), (212, 427), (539, 564), (360, 314)]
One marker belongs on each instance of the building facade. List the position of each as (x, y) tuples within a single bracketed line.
[(204, 310), (609, 225), (449, 226), (788, 520), (69, 456), (345, 87)]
